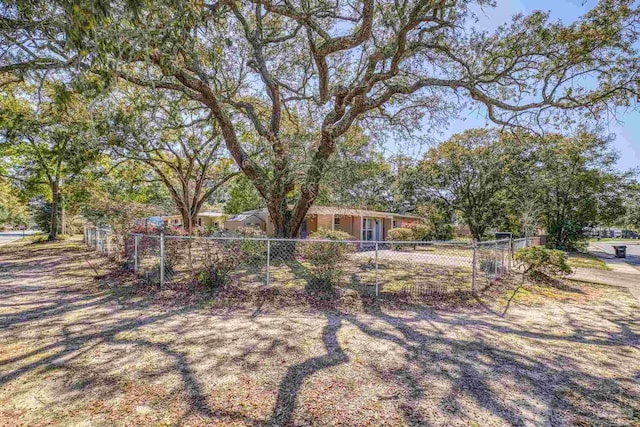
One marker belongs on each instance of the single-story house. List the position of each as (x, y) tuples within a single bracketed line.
[(212, 219), (360, 223), (204, 219), (246, 219)]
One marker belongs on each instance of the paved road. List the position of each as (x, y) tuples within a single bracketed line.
[(625, 273), (633, 250), (10, 236)]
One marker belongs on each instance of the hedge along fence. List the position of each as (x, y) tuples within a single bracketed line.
[(326, 260)]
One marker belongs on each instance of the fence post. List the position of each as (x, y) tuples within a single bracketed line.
[(510, 253), (268, 260), (474, 268), (161, 259), (135, 253), (377, 282)]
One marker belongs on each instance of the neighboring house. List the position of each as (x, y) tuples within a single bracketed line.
[(204, 219), (172, 220), (254, 218), (361, 224), (212, 219)]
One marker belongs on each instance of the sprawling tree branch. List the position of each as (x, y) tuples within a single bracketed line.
[(293, 77)]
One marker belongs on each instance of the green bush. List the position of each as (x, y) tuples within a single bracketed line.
[(420, 231), (401, 234), (324, 234), (254, 250), (539, 262), (325, 257), (221, 258)]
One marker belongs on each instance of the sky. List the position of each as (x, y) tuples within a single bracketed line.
[(627, 126)]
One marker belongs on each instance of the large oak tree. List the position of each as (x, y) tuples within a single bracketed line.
[(257, 63), (178, 142)]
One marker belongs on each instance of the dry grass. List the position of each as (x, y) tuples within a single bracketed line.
[(576, 259), (80, 350)]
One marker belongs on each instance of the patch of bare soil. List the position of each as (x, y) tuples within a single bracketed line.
[(83, 345)]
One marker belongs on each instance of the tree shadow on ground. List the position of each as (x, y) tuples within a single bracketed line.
[(465, 351)]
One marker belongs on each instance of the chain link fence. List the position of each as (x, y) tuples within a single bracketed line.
[(100, 239), (379, 268)]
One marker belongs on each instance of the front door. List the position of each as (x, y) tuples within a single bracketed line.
[(303, 230), (378, 230)]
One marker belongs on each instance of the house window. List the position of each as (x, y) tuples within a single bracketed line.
[(394, 224), (367, 229), (336, 220)]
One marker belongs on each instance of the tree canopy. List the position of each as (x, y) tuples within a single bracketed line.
[(294, 77), (175, 140), (48, 142)]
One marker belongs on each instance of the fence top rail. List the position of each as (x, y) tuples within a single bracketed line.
[(493, 242), (93, 227), (278, 239)]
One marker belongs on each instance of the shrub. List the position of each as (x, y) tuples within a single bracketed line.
[(221, 258), (176, 251), (251, 232), (198, 231), (400, 234), (172, 230), (325, 257), (324, 234), (253, 250), (420, 231), (431, 231), (144, 229), (539, 262)]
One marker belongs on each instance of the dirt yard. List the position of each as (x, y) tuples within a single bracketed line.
[(78, 348)]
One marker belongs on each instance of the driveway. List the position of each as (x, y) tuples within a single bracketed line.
[(10, 236), (457, 257)]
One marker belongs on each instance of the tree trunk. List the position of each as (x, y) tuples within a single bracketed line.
[(55, 202), (187, 223), (281, 219), (476, 230), (189, 219), (63, 217)]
